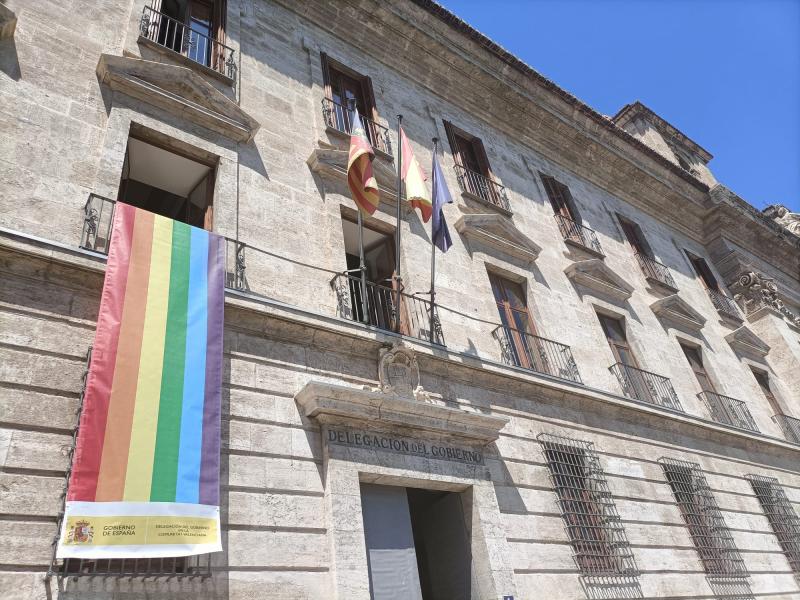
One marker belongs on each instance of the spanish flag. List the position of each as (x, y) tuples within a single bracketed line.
[(362, 182), (414, 177)]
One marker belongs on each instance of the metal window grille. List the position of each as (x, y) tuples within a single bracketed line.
[(710, 534), (781, 516), (169, 567), (598, 540)]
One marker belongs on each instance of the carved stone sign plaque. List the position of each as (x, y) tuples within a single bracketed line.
[(398, 371)]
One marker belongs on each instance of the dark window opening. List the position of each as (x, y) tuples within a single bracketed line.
[(194, 28), (560, 198), (472, 167), (695, 359), (762, 378), (703, 272), (345, 91), (614, 330), (167, 183), (635, 236)]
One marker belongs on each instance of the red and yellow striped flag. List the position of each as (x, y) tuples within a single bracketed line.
[(360, 179), (414, 177)]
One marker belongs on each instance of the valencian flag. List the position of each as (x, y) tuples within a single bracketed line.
[(441, 196), (145, 479), (362, 182), (415, 178)]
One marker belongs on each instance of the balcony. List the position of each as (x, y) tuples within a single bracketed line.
[(340, 118), (729, 411), (645, 386), (483, 188), (538, 354), (655, 272), (577, 234), (165, 32), (724, 305), (790, 427), (376, 305)]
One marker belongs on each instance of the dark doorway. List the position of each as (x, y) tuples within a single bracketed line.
[(418, 546)]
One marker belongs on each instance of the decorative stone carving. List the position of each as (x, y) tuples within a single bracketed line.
[(675, 309), (597, 276), (783, 216), (497, 232), (398, 371), (754, 291)]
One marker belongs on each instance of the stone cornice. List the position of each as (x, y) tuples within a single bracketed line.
[(635, 109)]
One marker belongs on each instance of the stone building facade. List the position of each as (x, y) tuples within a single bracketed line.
[(612, 383)]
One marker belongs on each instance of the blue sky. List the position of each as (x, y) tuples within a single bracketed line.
[(725, 72)]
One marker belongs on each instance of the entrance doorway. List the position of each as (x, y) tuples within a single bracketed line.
[(418, 545)]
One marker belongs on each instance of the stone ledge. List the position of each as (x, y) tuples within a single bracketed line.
[(8, 22), (332, 403)]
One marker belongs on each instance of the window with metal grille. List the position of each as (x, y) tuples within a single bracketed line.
[(710, 534), (173, 567), (597, 537), (781, 516)]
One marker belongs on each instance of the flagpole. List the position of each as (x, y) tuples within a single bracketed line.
[(433, 266), (361, 264), (398, 281)]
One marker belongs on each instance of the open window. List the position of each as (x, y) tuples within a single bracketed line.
[(472, 167), (346, 90), (614, 330), (703, 271), (193, 28), (560, 198), (635, 236), (654, 271), (168, 183)]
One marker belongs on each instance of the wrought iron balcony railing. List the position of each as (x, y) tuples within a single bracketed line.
[(179, 37), (729, 411), (578, 234), (723, 304), (655, 271), (376, 305), (482, 187), (790, 427), (536, 353), (340, 118), (646, 386)]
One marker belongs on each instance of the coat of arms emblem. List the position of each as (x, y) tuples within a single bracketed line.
[(80, 533)]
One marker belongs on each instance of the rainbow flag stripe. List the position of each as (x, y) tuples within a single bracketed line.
[(150, 426)]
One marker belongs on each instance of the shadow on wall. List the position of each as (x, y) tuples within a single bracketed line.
[(731, 588), (9, 61), (611, 587)]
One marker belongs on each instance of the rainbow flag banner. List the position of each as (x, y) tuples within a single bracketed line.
[(145, 476)]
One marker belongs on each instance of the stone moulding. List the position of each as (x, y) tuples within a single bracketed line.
[(498, 232), (744, 341), (674, 309), (178, 90), (595, 275), (333, 403)]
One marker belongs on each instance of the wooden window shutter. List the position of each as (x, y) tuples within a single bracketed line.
[(218, 19), (326, 76), (483, 159), (451, 139)]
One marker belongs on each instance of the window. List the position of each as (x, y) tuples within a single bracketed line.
[(781, 516), (703, 272), (635, 236), (560, 198), (763, 382), (711, 536), (194, 28), (472, 167), (614, 330), (167, 182), (598, 540), (695, 359), (345, 89), (517, 324)]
